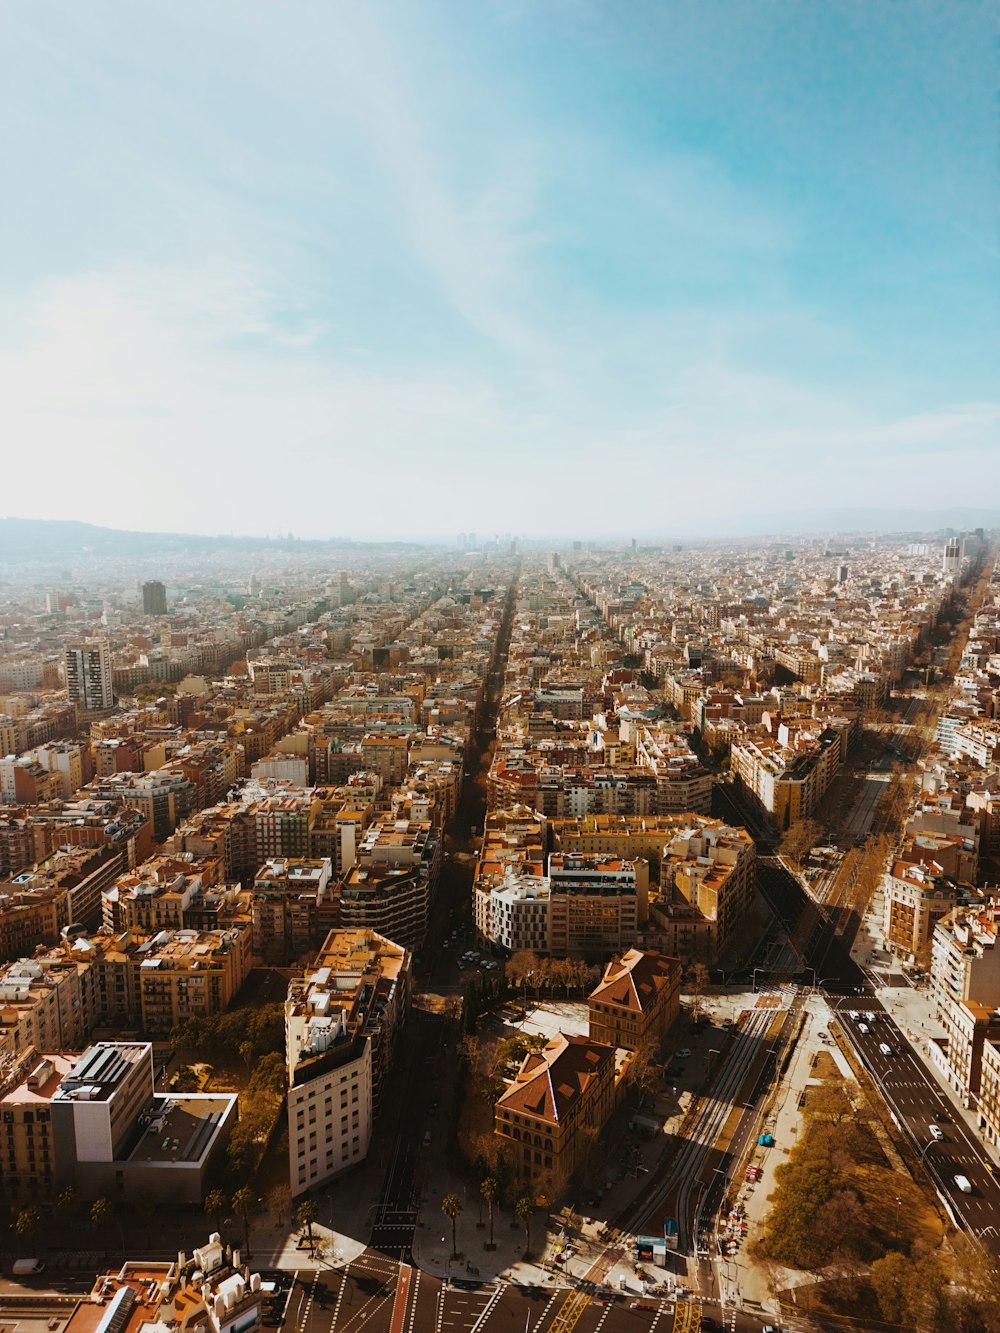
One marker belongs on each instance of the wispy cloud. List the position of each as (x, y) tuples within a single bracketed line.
[(192, 377), (342, 269)]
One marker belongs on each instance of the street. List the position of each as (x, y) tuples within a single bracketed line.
[(909, 1089)]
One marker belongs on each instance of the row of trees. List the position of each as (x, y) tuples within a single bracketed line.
[(537, 975), (33, 1219), (489, 1188), (252, 1033)]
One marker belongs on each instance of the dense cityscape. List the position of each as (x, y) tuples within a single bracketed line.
[(604, 934), (499, 667)]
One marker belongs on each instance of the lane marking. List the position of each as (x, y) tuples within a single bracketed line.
[(400, 1299)]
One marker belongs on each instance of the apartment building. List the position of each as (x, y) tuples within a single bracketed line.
[(73, 879), (30, 916), (284, 825), (785, 781), (88, 676), (164, 797), (916, 897), (227, 830), (27, 1146), (392, 886), (597, 904), (988, 1102), (47, 1003), (157, 894), (709, 866), (295, 906), (968, 1028), (514, 912), (965, 959), (154, 598), (186, 974), (342, 1022)]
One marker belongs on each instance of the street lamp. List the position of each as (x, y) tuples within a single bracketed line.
[(929, 1144)]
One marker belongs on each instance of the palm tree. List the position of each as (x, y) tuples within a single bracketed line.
[(489, 1189), (525, 1210), (451, 1206), (306, 1215), (215, 1206), (242, 1203)]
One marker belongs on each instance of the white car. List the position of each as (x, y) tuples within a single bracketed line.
[(862, 1027), (885, 1048), (853, 1015)]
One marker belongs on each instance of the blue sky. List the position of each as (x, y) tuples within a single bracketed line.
[(539, 266)]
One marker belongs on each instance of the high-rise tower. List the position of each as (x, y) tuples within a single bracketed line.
[(88, 676)]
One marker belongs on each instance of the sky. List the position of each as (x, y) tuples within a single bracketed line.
[(406, 268)]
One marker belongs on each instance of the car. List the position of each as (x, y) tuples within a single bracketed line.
[(935, 1132), (853, 1015), (684, 1053), (870, 1016), (707, 1322), (862, 1027), (964, 1184), (641, 1305), (25, 1267), (885, 1048)]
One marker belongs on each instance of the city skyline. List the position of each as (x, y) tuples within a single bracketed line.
[(526, 251)]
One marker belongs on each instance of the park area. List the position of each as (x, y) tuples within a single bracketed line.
[(849, 1233)]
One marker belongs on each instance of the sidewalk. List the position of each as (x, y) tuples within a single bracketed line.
[(911, 1008), (743, 1282)]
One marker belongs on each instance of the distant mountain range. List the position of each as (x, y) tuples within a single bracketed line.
[(38, 539), (25, 540)]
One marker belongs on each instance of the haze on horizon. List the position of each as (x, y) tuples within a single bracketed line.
[(535, 266)]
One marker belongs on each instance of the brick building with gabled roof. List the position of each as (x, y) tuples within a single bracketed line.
[(558, 1103), (637, 1000)]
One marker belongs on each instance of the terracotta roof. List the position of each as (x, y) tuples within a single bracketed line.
[(550, 1082), (635, 980)]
